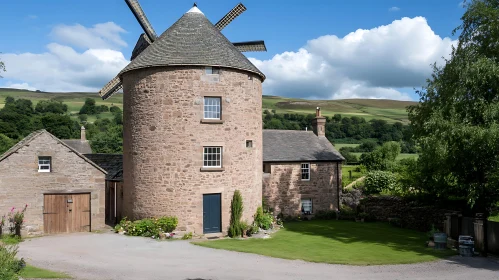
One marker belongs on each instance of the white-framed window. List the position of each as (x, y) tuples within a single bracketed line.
[(212, 108), (212, 157), (306, 206), (305, 171), (212, 70), (44, 164)]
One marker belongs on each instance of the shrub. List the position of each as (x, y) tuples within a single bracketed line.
[(325, 215), (114, 109), (151, 227), (347, 213), (187, 236), (378, 181), (263, 220), (236, 211), (10, 267)]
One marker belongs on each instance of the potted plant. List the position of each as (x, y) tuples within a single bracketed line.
[(16, 220), (361, 217), (244, 229)]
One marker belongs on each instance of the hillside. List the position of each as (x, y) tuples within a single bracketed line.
[(389, 110)]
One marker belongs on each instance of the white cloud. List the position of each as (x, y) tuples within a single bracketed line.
[(32, 17), (394, 9), (62, 68), (363, 64), (102, 35)]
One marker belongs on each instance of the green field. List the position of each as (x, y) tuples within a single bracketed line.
[(389, 110), (399, 157), (74, 100), (345, 174)]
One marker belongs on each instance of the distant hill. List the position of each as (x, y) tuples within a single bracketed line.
[(389, 110)]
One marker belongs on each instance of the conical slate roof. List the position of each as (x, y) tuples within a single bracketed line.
[(192, 40)]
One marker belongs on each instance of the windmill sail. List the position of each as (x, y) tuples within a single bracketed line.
[(111, 88), (141, 45), (142, 19), (251, 46), (230, 16)]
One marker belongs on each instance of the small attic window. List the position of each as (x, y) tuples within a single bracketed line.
[(44, 164), (212, 70), (249, 143)]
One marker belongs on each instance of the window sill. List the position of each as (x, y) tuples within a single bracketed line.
[(212, 121), (40, 171), (208, 169)]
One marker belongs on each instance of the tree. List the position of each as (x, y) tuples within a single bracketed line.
[(2, 67), (89, 107), (51, 106), (382, 158), (5, 143), (456, 123)]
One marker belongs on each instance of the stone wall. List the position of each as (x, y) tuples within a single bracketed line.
[(407, 214), (164, 135), (283, 188), (21, 183)]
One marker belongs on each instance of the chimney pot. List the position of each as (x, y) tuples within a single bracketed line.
[(319, 123), (318, 112)]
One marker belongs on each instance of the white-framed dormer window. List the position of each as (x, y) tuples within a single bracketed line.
[(212, 70), (305, 171), (212, 108), (212, 157), (306, 206), (44, 164)]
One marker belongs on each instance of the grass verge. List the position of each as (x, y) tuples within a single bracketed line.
[(40, 273), (339, 242), (10, 239)]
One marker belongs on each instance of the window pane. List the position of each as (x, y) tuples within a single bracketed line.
[(212, 107)]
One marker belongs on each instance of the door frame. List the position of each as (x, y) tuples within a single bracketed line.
[(65, 192), (221, 222)]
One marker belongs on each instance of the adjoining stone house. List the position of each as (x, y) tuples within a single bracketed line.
[(302, 170), (64, 190)]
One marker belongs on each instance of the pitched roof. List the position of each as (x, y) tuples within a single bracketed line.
[(112, 163), (37, 133), (192, 40), (83, 147), (297, 145)]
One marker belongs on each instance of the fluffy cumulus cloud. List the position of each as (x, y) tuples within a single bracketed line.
[(80, 59), (364, 64)]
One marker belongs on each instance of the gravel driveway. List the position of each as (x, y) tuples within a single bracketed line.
[(112, 256)]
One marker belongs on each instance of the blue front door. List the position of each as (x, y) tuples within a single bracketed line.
[(212, 220)]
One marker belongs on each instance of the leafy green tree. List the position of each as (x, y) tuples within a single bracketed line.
[(5, 143), (456, 123), (114, 109), (377, 181), (349, 157), (109, 141), (382, 158), (9, 100), (89, 107), (51, 106)]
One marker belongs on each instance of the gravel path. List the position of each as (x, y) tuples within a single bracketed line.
[(112, 256)]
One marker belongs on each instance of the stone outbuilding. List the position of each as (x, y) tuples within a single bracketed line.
[(301, 170), (64, 190)]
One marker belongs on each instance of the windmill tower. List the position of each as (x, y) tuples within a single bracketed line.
[(192, 123)]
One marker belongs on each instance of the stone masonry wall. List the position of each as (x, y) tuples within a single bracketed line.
[(164, 137), (21, 183), (283, 188)]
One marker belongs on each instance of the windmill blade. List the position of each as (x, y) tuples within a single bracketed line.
[(111, 88), (141, 45), (141, 18), (251, 46), (230, 16)]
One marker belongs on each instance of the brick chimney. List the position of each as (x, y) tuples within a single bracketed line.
[(83, 136), (319, 123)]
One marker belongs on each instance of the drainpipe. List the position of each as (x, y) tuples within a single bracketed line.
[(338, 184)]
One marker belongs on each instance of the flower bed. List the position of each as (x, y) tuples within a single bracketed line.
[(160, 228)]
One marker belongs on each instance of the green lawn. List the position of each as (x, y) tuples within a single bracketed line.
[(341, 242), (35, 272), (341, 145)]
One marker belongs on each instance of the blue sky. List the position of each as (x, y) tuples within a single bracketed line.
[(79, 45)]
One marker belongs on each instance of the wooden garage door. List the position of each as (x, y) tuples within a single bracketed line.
[(64, 213)]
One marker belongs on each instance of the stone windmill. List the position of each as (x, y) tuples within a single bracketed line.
[(192, 115), (149, 37)]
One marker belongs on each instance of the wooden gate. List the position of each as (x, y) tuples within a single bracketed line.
[(65, 213)]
